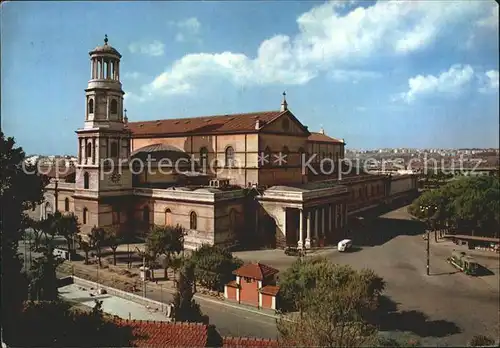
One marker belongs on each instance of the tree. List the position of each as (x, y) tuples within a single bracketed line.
[(469, 204), (97, 238), (67, 226), (185, 307), (37, 229), (335, 305), (214, 266), (85, 246), (481, 341), (166, 240), (113, 239), (20, 190), (304, 275), (68, 327), (43, 276)]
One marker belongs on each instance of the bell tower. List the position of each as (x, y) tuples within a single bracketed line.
[(104, 94), (103, 143)]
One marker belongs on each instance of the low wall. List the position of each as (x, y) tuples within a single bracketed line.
[(119, 293)]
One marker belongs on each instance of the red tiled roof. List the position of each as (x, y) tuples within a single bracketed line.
[(323, 138), (204, 125), (237, 342), (232, 284), (270, 290), (160, 334), (255, 271)]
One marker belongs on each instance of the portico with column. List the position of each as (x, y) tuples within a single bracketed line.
[(307, 218)]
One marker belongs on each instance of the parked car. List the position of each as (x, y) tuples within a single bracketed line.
[(344, 245)]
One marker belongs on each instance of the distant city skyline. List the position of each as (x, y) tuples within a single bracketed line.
[(378, 74)]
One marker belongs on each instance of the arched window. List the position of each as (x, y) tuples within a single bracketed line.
[(168, 217), (85, 215), (204, 158), (88, 150), (145, 215), (48, 209), (114, 149), (66, 204), (229, 156), (91, 106), (114, 106), (193, 223), (86, 181), (267, 156)]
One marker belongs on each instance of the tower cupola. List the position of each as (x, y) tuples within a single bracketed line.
[(104, 94)]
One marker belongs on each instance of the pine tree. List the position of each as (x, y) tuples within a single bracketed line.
[(185, 307)]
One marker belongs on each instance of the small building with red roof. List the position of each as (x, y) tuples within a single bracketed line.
[(255, 285)]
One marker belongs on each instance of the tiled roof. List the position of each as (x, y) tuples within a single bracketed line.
[(255, 271), (56, 171), (270, 290), (323, 138), (160, 334), (232, 284), (204, 125), (236, 342)]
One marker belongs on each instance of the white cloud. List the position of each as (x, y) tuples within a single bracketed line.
[(491, 19), (354, 76), (188, 29), (330, 36), (155, 48), (450, 82), (489, 81)]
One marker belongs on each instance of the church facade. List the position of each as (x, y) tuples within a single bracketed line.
[(254, 179)]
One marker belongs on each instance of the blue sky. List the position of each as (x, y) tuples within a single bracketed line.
[(378, 74)]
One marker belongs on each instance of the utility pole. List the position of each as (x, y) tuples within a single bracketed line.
[(161, 297), (144, 275), (428, 253)]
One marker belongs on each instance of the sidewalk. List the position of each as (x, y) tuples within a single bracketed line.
[(161, 290)]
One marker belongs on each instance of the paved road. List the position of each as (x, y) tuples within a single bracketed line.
[(443, 308)]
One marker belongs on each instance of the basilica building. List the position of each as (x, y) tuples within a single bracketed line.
[(253, 179)]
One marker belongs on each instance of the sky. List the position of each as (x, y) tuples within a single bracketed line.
[(420, 74)]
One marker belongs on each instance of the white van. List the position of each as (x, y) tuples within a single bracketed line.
[(344, 245)]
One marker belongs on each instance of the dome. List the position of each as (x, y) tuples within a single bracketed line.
[(105, 49), (157, 152)]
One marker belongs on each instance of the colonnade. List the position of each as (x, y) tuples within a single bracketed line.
[(319, 221)]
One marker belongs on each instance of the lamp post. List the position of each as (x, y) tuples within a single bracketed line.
[(427, 210)]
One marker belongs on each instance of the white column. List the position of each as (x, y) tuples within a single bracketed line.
[(101, 73), (330, 220), (316, 224), (284, 222), (308, 237), (336, 216), (323, 213), (301, 229), (118, 70)]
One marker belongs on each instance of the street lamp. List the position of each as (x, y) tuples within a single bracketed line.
[(426, 210)]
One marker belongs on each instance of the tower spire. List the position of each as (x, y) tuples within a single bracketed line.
[(284, 104), (105, 39)]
